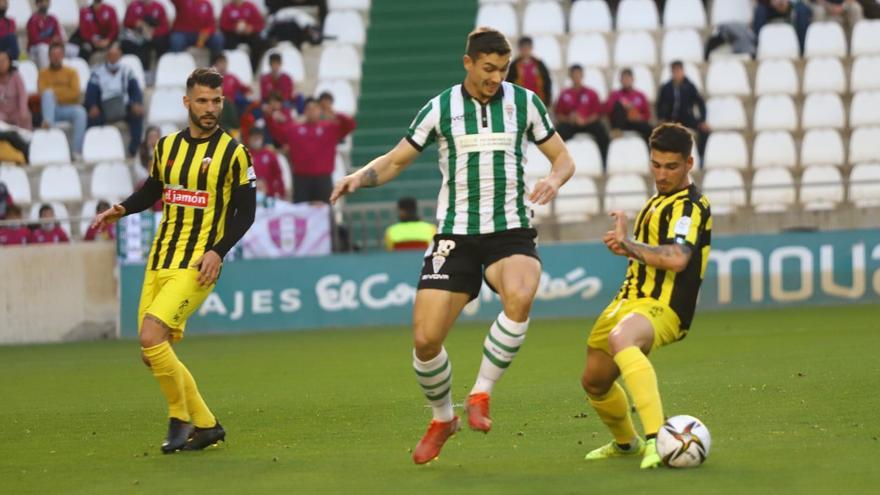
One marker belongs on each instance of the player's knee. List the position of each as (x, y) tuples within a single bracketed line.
[(426, 348), (618, 341), (518, 302), (593, 386)]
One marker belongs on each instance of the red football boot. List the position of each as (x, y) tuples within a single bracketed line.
[(478, 412), (429, 446)]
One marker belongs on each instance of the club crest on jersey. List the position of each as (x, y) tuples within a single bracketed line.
[(206, 162), (509, 109)]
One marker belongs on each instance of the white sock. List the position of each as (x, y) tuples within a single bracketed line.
[(435, 377), (499, 348)]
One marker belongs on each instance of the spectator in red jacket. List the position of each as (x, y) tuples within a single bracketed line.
[(49, 232), (235, 93), (580, 110), (628, 107), (530, 72), (43, 30), (106, 232), (242, 23), (312, 151), (15, 234), (146, 30), (266, 165), (98, 27), (8, 38), (194, 25), (277, 82)]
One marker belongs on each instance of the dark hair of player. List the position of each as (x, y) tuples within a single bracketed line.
[(486, 40), (674, 138), (204, 76)]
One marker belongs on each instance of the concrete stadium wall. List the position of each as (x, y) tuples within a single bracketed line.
[(58, 293)]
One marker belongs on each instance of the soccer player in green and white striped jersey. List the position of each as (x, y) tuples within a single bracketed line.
[(482, 128)]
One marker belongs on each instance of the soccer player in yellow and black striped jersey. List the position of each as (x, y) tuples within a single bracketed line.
[(655, 306), (207, 183)]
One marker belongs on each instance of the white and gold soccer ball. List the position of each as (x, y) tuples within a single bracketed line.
[(683, 441)]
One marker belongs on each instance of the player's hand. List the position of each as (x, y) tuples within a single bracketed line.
[(545, 191), (619, 225), (611, 243), (109, 216), (209, 268), (349, 184)]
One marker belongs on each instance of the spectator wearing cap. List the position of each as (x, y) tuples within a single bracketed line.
[(194, 25), (105, 232), (60, 96), (48, 232), (114, 94), (628, 108), (16, 234), (579, 110), (410, 232), (98, 28), (146, 31), (530, 72), (13, 96), (43, 29), (266, 164), (680, 101), (8, 38), (242, 23)]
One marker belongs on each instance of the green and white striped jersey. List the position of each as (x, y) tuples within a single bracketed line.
[(482, 156)]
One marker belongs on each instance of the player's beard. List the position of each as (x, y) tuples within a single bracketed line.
[(197, 121)]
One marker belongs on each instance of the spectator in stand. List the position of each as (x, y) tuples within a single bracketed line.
[(235, 93), (48, 232), (13, 97), (325, 100), (410, 232), (677, 101), (98, 28), (8, 38), (838, 10), (266, 164), (104, 233), (242, 23), (871, 8), (5, 201), (312, 151), (14, 235), (60, 96), (43, 30), (146, 30), (795, 12), (275, 5), (579, 109), (278, 118), (530, 72), (194, 25), (146, 155), (278, 82), (628, 109), (114, 94)]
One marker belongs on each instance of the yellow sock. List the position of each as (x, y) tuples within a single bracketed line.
[(613, 409), (168, 371), (201, 415), (640, 379)]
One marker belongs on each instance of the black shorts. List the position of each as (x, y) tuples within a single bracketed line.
[(456, 263), (309, 188)]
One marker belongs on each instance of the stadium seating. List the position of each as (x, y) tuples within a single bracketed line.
[(643, 80), (577, 201), (865, 74), (111, 181), (589, 16), (344, 99), (119, 6), (822, 147), (682, 44), (136, 67), (691, 71), (588, 50), (823, 110), (21, 12), (17, 183), (863, 145), (825, 39), (67, 12), (82, 70), (726, 189), (103, 144), (864, 185), (635, 48), (727, 77), (866, 38), (239, 65), (291, 62), (726, 150), (774, 113), (725, 113), (824, 75), (774, 149), (625, 192), (60, 183), (339, 62), (499, 16), (49, 146), (170, 68), (166, 107), (628, 155), (684, 14), (865, 109), (587, 158), (726, 11), (548, 50), (29, 75), (821, 188), (543, 17), (361, 5), (169, 9), (637, 15), (772, 190), (345, 26), (776, 77), (778, 41)]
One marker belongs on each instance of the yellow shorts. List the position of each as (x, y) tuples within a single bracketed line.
[(667, 326), (172, 295)]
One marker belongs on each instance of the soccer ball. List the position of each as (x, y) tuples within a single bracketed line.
[(683, 441)]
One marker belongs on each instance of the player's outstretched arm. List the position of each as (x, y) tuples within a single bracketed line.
[(562, 168), (139, 201), (378, 171), (669, 257)]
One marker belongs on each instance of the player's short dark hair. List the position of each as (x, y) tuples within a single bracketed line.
[(525, 40), (676, 64), (673, 138), (486, 40), (575, 67), (325, 95), (204, 76), (275, 57)]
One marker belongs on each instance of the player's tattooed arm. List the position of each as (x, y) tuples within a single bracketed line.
[(369, 178), (673, 257)]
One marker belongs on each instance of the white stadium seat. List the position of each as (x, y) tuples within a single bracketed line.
[(339, 62), (345, 26), (824, 75), (111, 181), (775, 113), (625, 192), (587, 158), (589, 16), (628, 155), (239, 65), (778, 41), (82, 70), (726, 189), (772, 190), (822, 147), (825, 39), (726, 150), (67, 12), (60, 183), (344, 99), (166, 107), (727, 77), (776, 77), (595, 80), (727, 11), (866, 38), (103, 143), (589, 50), (635, 48), (684, 14), (499, 16), (29, 76), (822, 110), (291, 62), (863, 145), (17, 183), (821, 188), (173, 69), (643, 80), (49, 146), (725, 113), (682, 44), (865, 109), (119, 6), (362, 5), (548, 50), (543, 18), (865, 74), (286, 174), (864, 185), (577, 201), (136, 67), (87, 214), (637, 15), (774, 149), (691, 71), (20, 11), (170, 10), (60, 212)]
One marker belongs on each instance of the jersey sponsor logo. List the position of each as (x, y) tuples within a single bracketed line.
[(492, 141), (185, 197)]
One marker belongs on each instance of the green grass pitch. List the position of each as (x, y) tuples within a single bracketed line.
[(790, 396)]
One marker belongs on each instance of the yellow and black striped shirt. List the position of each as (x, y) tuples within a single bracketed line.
[(679, 218), (198, 177)]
